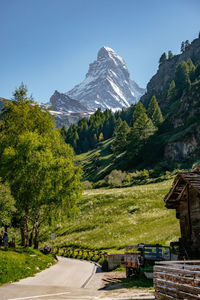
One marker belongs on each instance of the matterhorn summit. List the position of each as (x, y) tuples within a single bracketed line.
[(107, 84)]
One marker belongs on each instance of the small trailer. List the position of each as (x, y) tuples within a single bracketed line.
[(142, 257)]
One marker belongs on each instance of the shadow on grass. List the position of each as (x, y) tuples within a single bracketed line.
[(135, 282)]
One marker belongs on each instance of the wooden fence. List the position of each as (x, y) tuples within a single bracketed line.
[(177, 280), (76, 253)]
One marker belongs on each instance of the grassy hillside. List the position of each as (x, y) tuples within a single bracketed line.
[(113, 218), (96, 163), (21, 263)]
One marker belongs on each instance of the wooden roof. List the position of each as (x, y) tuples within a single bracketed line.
[(181, 182)]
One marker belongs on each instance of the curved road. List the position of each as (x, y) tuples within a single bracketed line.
[(64, 280), (69, 279)]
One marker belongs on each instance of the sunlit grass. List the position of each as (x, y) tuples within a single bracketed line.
[(21, 263), (113, 218)]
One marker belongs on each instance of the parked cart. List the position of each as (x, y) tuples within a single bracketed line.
[(142, 257)]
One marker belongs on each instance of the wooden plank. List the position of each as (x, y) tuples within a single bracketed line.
[(160, 295), (186, 266), (166, 290), (173, 292), (176, 278), (178, 286), (176, 271)]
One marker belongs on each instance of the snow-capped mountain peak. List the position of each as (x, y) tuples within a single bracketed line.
[(107, 83)]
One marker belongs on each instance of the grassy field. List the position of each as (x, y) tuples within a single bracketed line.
[(113, 218), (22, 263)]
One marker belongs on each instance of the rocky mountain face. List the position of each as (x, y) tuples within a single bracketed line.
[(107, 84), (185, 143), (63, 103), (159, 83)]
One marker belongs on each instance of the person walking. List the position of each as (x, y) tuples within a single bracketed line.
[(5, 239)]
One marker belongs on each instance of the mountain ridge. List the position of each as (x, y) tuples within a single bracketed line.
[(107, 84)]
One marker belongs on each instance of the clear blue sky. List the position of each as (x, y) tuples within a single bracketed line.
[(48, 44)]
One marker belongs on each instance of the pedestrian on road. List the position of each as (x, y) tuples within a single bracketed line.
[(5, 239)]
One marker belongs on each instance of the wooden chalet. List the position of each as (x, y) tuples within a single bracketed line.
[(184, 196)]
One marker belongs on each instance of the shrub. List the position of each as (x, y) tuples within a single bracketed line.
[(116, 178), (99, 184), (87, 185)]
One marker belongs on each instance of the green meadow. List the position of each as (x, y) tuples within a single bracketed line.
[(21, 263), (110, 219)]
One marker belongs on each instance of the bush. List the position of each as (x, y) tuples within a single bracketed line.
[(99, 184), (104, 264), (87, 185), (116, 178)]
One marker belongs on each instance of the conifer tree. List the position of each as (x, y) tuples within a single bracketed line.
[(154, 112), (170, 54), (162, 58), (187, 44), (182, 79), (139, 109), (120, 137), (141, 130), (171, 94), (182, 47), (191, 69)]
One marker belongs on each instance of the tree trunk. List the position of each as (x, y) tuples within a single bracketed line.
[(36, 238), (26, 229), (22, 236), (36, 229), (31, 237)]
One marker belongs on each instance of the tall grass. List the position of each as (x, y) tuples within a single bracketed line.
[(111, 219), (21, 263)]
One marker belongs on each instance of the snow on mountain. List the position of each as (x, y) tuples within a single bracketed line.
[(107, 84)]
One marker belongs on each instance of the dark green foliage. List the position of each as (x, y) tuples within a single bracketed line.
[(171, 94), (170, 54), (187, 44), (182, 79), (7, 204), (191, 69), (163, 58), (182, 47), (121, 132), (88, 133), (141, 130), (154, 112), (20, 94), (197, 72)]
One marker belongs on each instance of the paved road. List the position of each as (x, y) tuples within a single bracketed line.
[(67, 280), (61, 280)]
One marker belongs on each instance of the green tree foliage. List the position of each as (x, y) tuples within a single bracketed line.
[(182, 79), (163, 58), (38, 165), (141, 130), (182, 47), (197, 72), (171, 94), (187, 44), (191, 69), (7, 204), (121, 132), (154, 112), (85, 135), (170, 54), (101, 138)]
